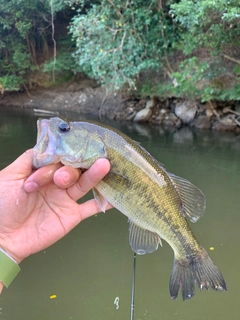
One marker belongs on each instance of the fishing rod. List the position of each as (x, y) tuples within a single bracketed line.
[(133, 286)]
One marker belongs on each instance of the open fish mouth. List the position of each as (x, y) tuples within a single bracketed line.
[(45, 149)]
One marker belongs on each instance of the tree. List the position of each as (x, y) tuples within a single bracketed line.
[(117, 40), (210, 40), (24, 34)]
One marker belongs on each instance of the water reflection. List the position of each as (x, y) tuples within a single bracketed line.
[(92, 265)]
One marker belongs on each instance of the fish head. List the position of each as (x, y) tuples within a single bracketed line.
[(70, 143)]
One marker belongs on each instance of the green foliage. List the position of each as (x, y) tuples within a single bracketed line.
[(189, 77), (210, 30), (196, 80), (11, 82), (183, 48), (119, 41), (17, 20), (116, 40), (211, 24), (65, 63), (24, 32)]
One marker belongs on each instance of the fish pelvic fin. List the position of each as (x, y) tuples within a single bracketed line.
[(101, 201), (142, 241), (200, 269)]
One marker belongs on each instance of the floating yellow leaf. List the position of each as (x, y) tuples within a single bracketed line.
[(211, 248), (53, 296)]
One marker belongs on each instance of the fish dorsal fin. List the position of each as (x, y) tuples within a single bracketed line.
[(141, 240), (101, 201), (193, 200)]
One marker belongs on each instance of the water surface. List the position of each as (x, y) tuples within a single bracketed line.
[(93, 264)]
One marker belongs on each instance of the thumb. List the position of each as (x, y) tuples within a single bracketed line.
[(22, 166)]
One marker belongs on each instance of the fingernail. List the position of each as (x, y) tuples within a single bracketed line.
[(30, 186)]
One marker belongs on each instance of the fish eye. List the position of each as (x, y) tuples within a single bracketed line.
[(64, 126)]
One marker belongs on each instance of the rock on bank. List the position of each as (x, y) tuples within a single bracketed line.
[(88, 98)]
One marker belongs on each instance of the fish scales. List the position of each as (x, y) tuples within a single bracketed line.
[(155, 201), (136, 205), (121, 148)]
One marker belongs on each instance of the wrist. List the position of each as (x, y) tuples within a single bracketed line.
[(9, 268), (5, 247), (16, 259)]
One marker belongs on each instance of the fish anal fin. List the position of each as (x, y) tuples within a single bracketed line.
[(142, 241), (101, 201), (193, 199)]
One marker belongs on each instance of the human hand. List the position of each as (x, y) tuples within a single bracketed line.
[(38, 208)]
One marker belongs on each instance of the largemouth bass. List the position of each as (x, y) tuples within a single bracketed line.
[(156, 202)]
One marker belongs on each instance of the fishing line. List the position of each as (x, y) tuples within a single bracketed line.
[(133, 286), (120, 281), (121, 276)]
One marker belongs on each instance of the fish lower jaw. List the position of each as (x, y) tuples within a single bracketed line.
[(43, 160)]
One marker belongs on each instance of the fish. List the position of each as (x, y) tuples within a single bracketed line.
[(156, 202)]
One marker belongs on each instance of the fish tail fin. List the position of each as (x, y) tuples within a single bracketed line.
[(200, 269)]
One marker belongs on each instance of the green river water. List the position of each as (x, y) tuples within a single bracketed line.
[(93, 264)]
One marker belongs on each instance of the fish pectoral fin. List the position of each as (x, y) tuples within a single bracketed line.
[(142, 241), (193, 200), (101, 201)]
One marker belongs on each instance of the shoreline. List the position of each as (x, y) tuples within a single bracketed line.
[(97, 102)]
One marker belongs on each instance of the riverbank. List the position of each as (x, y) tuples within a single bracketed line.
[(87, 97)]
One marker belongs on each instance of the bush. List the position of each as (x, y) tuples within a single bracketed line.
[(116, 40), (24, 34), (210, 38)]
